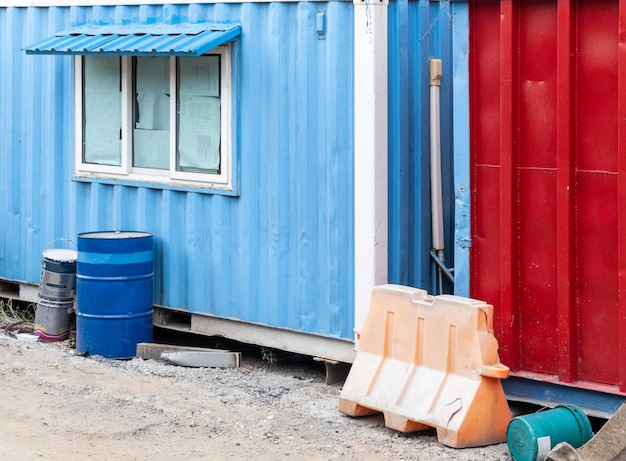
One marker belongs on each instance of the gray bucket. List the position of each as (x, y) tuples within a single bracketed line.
[(53, 319), (58, 275)]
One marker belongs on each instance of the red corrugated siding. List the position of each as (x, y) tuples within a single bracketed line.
[(548, 109)]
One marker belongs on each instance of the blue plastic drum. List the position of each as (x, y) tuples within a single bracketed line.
[(114, 276), (531, 437)]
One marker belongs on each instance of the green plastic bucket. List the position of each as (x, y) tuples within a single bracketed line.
[(531, 437)]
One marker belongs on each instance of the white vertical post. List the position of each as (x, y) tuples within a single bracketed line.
[(370, 151)]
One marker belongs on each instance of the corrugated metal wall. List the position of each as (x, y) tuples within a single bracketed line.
[(280, 254), (418, 31), (548, 137), (36, 116)]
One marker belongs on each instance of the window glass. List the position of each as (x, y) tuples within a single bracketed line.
[(156, 119), (151, 115), (199, 127), (102, 109)]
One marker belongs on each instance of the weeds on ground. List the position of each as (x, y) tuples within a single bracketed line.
[(268, 355), (15, 312), (278, 357)]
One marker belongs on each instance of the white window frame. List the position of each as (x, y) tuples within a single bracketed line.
[(220, 181)]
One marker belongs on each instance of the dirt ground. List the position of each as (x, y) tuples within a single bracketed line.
[(56, 405)]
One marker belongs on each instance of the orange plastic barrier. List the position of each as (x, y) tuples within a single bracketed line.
[(429, 361)]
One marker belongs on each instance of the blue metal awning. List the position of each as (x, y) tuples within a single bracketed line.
[(157, 40)]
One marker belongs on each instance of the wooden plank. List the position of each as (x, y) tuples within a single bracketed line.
[(336, 372), (153, 351)]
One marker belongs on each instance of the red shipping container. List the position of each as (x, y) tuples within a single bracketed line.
[(548, 172)]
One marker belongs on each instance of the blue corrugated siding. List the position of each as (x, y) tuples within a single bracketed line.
[(280, 254), (419, 30), (462, 187), (35, 189)]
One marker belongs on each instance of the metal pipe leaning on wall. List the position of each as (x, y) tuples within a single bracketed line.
[(436, 193), (429, 362)]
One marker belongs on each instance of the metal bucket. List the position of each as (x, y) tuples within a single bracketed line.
[(58, 274), (531, 437), (53, 319), (114, 293)]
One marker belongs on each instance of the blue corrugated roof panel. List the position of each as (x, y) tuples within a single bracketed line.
[(157, 41)]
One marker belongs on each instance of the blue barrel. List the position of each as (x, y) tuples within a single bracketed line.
[(113, 293)]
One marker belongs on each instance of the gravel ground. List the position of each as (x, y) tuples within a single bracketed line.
[(57, 405)]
